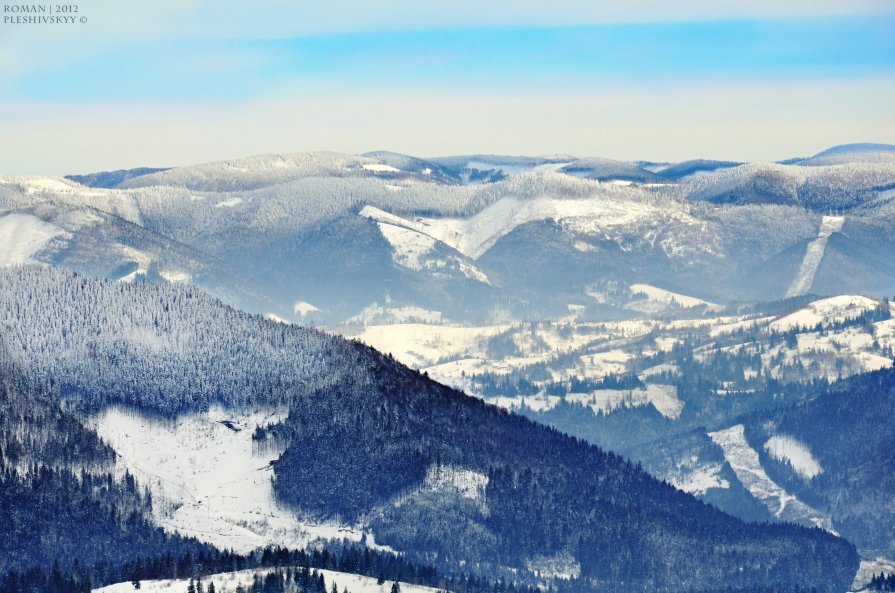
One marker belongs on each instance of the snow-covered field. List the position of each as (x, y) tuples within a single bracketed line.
[(228, 581), (209, 480), (828, 310), (570, 348), (666, 297), (22, 236)]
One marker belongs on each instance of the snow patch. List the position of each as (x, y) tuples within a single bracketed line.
[(409, 247), (794, 453), (475, 235), (825, 311), (22, 236), (662, 397), (230, 203), (375, 314), (208, 479), (695, 478), (176, 276), (380, 168), (666, 297), (871, 568), (561, 565), (229, 581), (467, 483)]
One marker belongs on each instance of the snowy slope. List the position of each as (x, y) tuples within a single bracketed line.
[(796, 454), (825, 311), (853, 153), (801, 284), (475, 235), (227, 582), (22, 236), (658, 298), (747, 467), (209, 480)]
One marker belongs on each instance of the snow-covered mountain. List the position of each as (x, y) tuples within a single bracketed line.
[(651, 309), (239, 431), (345, 233)]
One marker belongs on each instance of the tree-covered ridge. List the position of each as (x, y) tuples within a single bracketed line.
[(363, 431), (547, 493), (167, 349), (844, 427)]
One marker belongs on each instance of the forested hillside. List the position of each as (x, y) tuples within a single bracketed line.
[(368, 440), (59, 503)]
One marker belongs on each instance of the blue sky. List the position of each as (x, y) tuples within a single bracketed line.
[(647, 82)]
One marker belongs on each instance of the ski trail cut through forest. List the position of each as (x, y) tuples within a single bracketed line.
[(813, 255)]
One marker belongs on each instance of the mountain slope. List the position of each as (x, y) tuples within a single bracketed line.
[(364, 435), (853, 153), (59, 500), (291, 235)]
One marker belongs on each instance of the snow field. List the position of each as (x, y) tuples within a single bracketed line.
[(208, 480), (697, 478), (22, 236), (227, 582), (794, 453)]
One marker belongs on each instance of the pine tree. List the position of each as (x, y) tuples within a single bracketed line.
[(396, 588), (191, 588)]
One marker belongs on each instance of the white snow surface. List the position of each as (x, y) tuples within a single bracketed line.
[(662, 397), (380, 168), (409, 246), (813, 255), (794, 453), (825, 311), (207, 478), (229, 203), (227, 582), (22, 236), (666, 297), (475, 235), (377, 314), (465, 482), (871, 568), (694, 477), (561, 565), (747, 467)]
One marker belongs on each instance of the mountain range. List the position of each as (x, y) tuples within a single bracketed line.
[(721, 327)]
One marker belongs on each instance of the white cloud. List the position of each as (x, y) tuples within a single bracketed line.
[(742, 121)]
